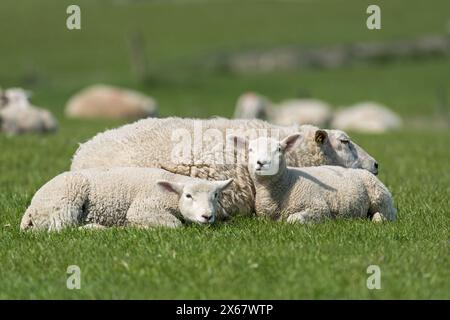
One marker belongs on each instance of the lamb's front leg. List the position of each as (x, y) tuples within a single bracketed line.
[(307, 216), (146, 214)]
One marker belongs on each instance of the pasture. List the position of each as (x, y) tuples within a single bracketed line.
[(245, 258)]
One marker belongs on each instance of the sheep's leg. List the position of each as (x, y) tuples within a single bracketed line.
[(92, 226), (305, 216), (144, 213), (382, 208)]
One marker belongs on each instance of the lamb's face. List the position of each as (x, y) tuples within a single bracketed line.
[(349, 154), (197, 201), (266, 155)]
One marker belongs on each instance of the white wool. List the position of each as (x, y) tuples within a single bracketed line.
[(104, 101), (313, 193), (149, 143), (301, 111), (141, 197), (251, 105), (369, 117)]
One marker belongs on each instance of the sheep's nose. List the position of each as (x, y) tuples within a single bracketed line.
[(207, 217), (376, 165), (259, 162)]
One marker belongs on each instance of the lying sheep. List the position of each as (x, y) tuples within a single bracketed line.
[(108, 102), (251, 105), (368, 117), (17, 115), (314, 193), (97, 198), (301, 111), (154, 143)]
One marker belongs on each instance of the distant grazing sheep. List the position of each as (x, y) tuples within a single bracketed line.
[(108, 102), (312, 193), (369, 117), (18, 116), (153, 143), (141, 197), (251, 105)]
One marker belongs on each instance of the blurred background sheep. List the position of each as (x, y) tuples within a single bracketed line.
[(18, 115), (109, 102)]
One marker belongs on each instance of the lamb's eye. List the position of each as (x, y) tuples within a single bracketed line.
[(188, 196), (279, 149), (250, 150), (344, 141), (216, 195)]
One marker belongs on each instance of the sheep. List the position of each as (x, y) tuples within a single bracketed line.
[(17, 115), (98, 198), (108, 102), (314, 193), (301, 111), (156, 142), (367, 117), (251, 105)]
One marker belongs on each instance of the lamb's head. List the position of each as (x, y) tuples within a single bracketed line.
[(342, 151), (16, 96), (197, 200), (251, 105), (266, 155)]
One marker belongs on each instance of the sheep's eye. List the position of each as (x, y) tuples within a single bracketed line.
[(188, 196), (345, 141), (279, 149), (216, 195), (250, 150)]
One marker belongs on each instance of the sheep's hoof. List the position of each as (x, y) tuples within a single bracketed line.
[(377, 217), (92, 226)]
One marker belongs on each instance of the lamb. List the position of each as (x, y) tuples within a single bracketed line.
[(367, 117), (158, 142), (251, 105), (108, 102), (98, 198), (18, 116), (315, 193)]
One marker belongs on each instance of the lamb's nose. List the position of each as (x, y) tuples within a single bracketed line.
[(376, 165), (260, 163), (207, 217)]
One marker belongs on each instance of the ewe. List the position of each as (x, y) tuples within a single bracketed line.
[(369, 117), (301, 111), (153, 142), (17, 115), (310, 194), (97, 198), (103, 101)]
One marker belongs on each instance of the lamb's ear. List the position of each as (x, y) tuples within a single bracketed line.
[(241, 141), (222, 185), (170, 186), (289, 142), (320, 136)]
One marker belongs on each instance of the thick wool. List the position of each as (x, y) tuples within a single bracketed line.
[(149, 143), (108, 197), (103, 101), (314, 193), (301, 111)]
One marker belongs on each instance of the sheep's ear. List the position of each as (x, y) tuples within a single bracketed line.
[(289, 142), (241, 141), (222, 185), (170, 186), (320, 136)]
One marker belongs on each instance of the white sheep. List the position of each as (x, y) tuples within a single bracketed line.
[(154, 142), (313, 193), (251, 105), (18, 115), (301, 111), (368, 117), (104, 101), (96, 198)]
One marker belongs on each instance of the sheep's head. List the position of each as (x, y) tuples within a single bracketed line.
[(266, 155), (15, 96), (342, 151), (197, 200)]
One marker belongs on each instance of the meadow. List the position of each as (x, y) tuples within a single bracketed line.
[(246, 257)]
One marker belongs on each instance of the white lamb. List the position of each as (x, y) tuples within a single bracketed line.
[(97, 198), (251, 105), (154, 143), (368, 117), (314, 193), (17, 115), (104, 101)]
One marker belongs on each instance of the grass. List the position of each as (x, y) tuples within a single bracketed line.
[(246, 257)]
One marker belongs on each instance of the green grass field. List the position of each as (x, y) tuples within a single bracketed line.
[(245, 257)]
